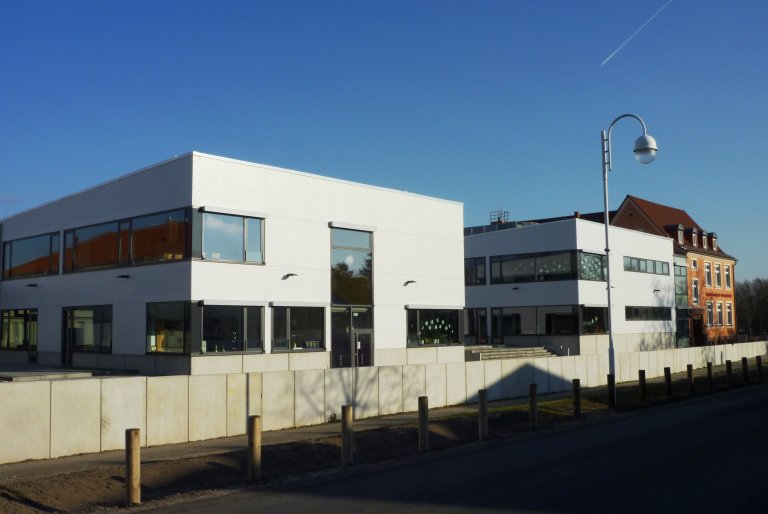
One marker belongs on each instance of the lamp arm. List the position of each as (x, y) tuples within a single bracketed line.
[(607, 163)]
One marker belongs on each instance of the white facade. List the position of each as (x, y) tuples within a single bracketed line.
[(414, 238), (564, 294)]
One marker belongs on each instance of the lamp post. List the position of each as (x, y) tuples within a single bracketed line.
[(645, 153)]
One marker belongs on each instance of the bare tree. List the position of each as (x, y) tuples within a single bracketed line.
[(752, 306)]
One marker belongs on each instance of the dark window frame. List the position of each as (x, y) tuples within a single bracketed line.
[(53, 256)]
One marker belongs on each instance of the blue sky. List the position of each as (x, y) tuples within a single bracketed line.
[(498, 104)]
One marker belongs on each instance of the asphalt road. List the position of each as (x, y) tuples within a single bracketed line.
[(705, 455)]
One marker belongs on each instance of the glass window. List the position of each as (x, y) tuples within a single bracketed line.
[(89, 329), (591, 266), (474, 271), (30, 257), (254, 240), (681, 286), (708, 274), (633, 313), (695, 290), (168, 327), (593, 320), (160, 237), (124, 243), (232, 238), (19, 330), (298, 328), (729, 314), (718, 279), (433, 326), (95, 247), (231, 328), (646, 266), (475, 324), (728, 277), (554, 267), (351, 267), (710, 314), (694, 264), (720, 314)]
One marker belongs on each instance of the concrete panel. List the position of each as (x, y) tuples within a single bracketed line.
[(265, 362), (213, 364), (26, 404), (390, 389), (339, 390), (623, 371), (422, 355), (253, 393), (456, 380), (75, 417), (309, 397), (567, 372), (309, 360), (555, 370), (414, 385), (679, 364), (277, 397), (634, 365), (446, 354), (643, 363), (492, 377), (390, 357), (580, 369), (167, 410), (366, 392), (593, 370), (123, 406), (525, 377), (541, 375), (436, 384), (207, 407), (603, 369), (475, 380), (509, 376), (237, 404)]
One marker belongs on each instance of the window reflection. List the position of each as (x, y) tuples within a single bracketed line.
[(232, 238), (168, 327), (159, 237), (298, 328), (433, 326), (89, 329), (33, 256)]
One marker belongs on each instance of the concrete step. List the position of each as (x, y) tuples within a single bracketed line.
[(504, 352)]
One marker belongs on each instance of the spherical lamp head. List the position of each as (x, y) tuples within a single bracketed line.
[(645, 149)]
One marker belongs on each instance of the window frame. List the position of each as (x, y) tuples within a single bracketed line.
[(695, 291), (67, 319), (245, 336), (642, 265), (291, 345), (729, 313), (244, 236), (54, 257), (727, 272), (707, 274), (718, 276), (472, 267)]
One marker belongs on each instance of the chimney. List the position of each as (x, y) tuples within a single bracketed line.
[(576, 214)]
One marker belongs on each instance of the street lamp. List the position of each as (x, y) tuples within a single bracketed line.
[(645, 153)]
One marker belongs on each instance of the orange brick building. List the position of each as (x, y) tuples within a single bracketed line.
[(706, 300)]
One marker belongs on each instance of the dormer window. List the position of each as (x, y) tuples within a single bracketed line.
[(680, 239), (704, 239), (695, 237), (714, 241)]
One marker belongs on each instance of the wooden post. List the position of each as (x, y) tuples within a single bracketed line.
[(668, 380), (533, 407), (423, 424), (729, 373), (347, 435), (611, 390), (254, 448), (745, 369), (689, 370), (482, 414), (577, 397), (132, 467), (641, 384), (710, 377), (759, 360)]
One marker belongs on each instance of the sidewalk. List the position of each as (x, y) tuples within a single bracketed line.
[(48, 467)]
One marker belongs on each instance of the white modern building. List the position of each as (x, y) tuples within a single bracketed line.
[(203, 264), (544, 284)]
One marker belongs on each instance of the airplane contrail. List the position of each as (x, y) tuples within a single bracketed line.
[(635, 33)]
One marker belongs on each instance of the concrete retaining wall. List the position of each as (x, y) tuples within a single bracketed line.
[(49, 419)]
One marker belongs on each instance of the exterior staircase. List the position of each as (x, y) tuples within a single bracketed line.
[(484, 353)]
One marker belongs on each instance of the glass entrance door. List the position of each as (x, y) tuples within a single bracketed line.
[(351, 336)]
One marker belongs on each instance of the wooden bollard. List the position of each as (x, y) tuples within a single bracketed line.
[(132, 467), (533, 407), (423, 424), (668, 380), (641, 384), (729, 373), (577, 397), (347, 435), (759, 361), (745, 369), (482, 414), (689, 370), (611, 390), (710, 376), (254, 448)]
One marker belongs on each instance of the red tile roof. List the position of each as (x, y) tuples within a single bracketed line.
[(663, 216)]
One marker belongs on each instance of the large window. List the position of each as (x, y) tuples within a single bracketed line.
[(592, 266), (710, 314), (504, 322), (232, 238), (729, 313), (474, 271), (19, 330), (168, 327), (433, 326), (719, 314), (593, 320), (695, 291), (708, 274), (507, 269), (298, 328), (646, 266), (727, 277), (32, 256), (159, 237), (648, 313), (718, 279), (88, 329), (231, 328), (351, 267), (475, 325), (681, 286)]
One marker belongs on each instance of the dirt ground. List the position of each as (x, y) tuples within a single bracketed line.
[(103, 488)]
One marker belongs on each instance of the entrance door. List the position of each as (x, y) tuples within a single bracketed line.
[(351, 336)]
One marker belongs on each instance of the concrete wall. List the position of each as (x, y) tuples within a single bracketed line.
[(49, 419)]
